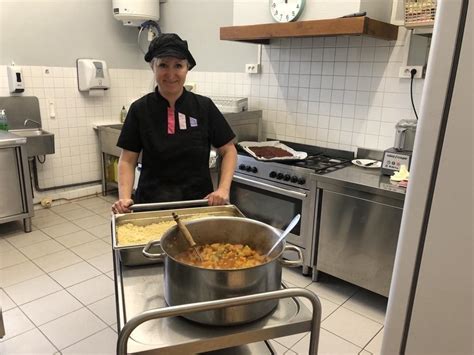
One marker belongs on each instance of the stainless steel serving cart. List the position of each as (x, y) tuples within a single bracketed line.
[(146, 325)]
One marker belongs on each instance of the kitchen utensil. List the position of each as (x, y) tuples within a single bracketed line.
[(288, 229), (185, 283), (367, 163), (400, 154), (393, 159), (405, 135), (186, 234)]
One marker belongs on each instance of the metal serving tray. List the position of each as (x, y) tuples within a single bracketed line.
[(131, 255)]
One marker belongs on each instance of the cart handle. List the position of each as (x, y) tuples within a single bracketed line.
[(168, 205), (218, 304)]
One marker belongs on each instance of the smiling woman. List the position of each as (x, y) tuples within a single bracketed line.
[(174, 130)]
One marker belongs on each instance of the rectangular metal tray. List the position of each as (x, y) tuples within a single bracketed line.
[(131, 255)]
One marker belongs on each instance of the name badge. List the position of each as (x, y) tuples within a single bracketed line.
[(182, 121), (193, 122)]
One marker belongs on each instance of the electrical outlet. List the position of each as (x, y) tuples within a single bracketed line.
[(252, 68), (405, 72)]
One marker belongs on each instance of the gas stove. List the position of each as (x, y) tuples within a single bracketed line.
[(295, 172)]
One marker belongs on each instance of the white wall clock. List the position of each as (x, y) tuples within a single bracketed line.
[(286, 10)]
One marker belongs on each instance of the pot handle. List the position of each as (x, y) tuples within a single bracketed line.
[(292, 263), (146, 249)]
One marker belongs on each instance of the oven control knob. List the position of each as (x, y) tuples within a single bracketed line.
[(273, 174), (279, 176), (248, 168), (254, 170), (241, 167), (301, 181), (287, 177), (294, 178)]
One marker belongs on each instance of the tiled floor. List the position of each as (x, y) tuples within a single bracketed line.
[(57, 291)]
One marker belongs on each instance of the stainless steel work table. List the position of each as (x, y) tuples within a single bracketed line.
[(140, 289)]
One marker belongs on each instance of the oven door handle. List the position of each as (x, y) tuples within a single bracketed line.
[(271, 188)]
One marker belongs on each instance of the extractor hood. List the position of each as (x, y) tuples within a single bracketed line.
[(355, 26)]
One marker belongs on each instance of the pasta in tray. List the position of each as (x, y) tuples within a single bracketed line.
[(132, 234)]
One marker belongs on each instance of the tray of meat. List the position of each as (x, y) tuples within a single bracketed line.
[(272, 150)]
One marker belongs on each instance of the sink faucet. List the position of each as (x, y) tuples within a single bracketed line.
[(30, 120)]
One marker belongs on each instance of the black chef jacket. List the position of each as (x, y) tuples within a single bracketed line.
[(175, 145)]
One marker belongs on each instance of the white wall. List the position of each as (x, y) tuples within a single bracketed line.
[(199, 22), (251, 12), (341, 92), (77, 157), (56, 33)]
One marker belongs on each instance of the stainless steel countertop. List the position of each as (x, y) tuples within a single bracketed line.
[(10, 139), (363, 179), (140, 289)]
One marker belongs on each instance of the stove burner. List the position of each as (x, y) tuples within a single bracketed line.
[(320, 163)]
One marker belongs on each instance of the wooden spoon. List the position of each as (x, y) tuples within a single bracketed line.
[(185, 231)]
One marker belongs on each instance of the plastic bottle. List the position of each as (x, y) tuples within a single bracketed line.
[(123, 114), (110, 170), (3, 120)]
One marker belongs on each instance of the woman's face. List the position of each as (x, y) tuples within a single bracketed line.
[(170, 75)]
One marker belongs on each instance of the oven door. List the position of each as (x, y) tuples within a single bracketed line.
[(276, 204)]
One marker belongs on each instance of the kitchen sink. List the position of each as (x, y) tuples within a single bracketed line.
[(38, 141), (115, 126), (108, 136)]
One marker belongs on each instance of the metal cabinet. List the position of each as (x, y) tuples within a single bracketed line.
[(15, 183), (10, 189), (358, 234)]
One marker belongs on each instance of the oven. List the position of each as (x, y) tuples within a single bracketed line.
[(274, 202)]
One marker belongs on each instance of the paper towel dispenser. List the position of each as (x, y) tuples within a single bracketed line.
[(92, 74)]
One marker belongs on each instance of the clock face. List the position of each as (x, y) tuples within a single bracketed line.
[(286, 10)]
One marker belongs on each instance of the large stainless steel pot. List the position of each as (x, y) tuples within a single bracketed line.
[(189, 284)]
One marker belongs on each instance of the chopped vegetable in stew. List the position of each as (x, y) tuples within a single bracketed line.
[(222, 256)]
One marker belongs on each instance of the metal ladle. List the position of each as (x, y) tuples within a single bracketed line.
[(185, 231), (288, 229)]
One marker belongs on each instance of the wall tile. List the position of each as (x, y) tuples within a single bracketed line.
[(341, 92)]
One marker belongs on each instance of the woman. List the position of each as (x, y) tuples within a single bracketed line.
[(174, 129)]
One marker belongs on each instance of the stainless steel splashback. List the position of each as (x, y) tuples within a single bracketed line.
[(246, 125), (20, 108)]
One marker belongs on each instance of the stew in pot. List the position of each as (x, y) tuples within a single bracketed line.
[(222, 256)]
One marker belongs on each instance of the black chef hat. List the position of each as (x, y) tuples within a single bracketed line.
[(169, 45)]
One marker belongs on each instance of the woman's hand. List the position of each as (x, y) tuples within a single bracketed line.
[(122, 205), (218, 197)]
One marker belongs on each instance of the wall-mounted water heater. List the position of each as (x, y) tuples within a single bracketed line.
[(136, 12)]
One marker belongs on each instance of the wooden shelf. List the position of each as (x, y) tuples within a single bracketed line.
[(355, 26)]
